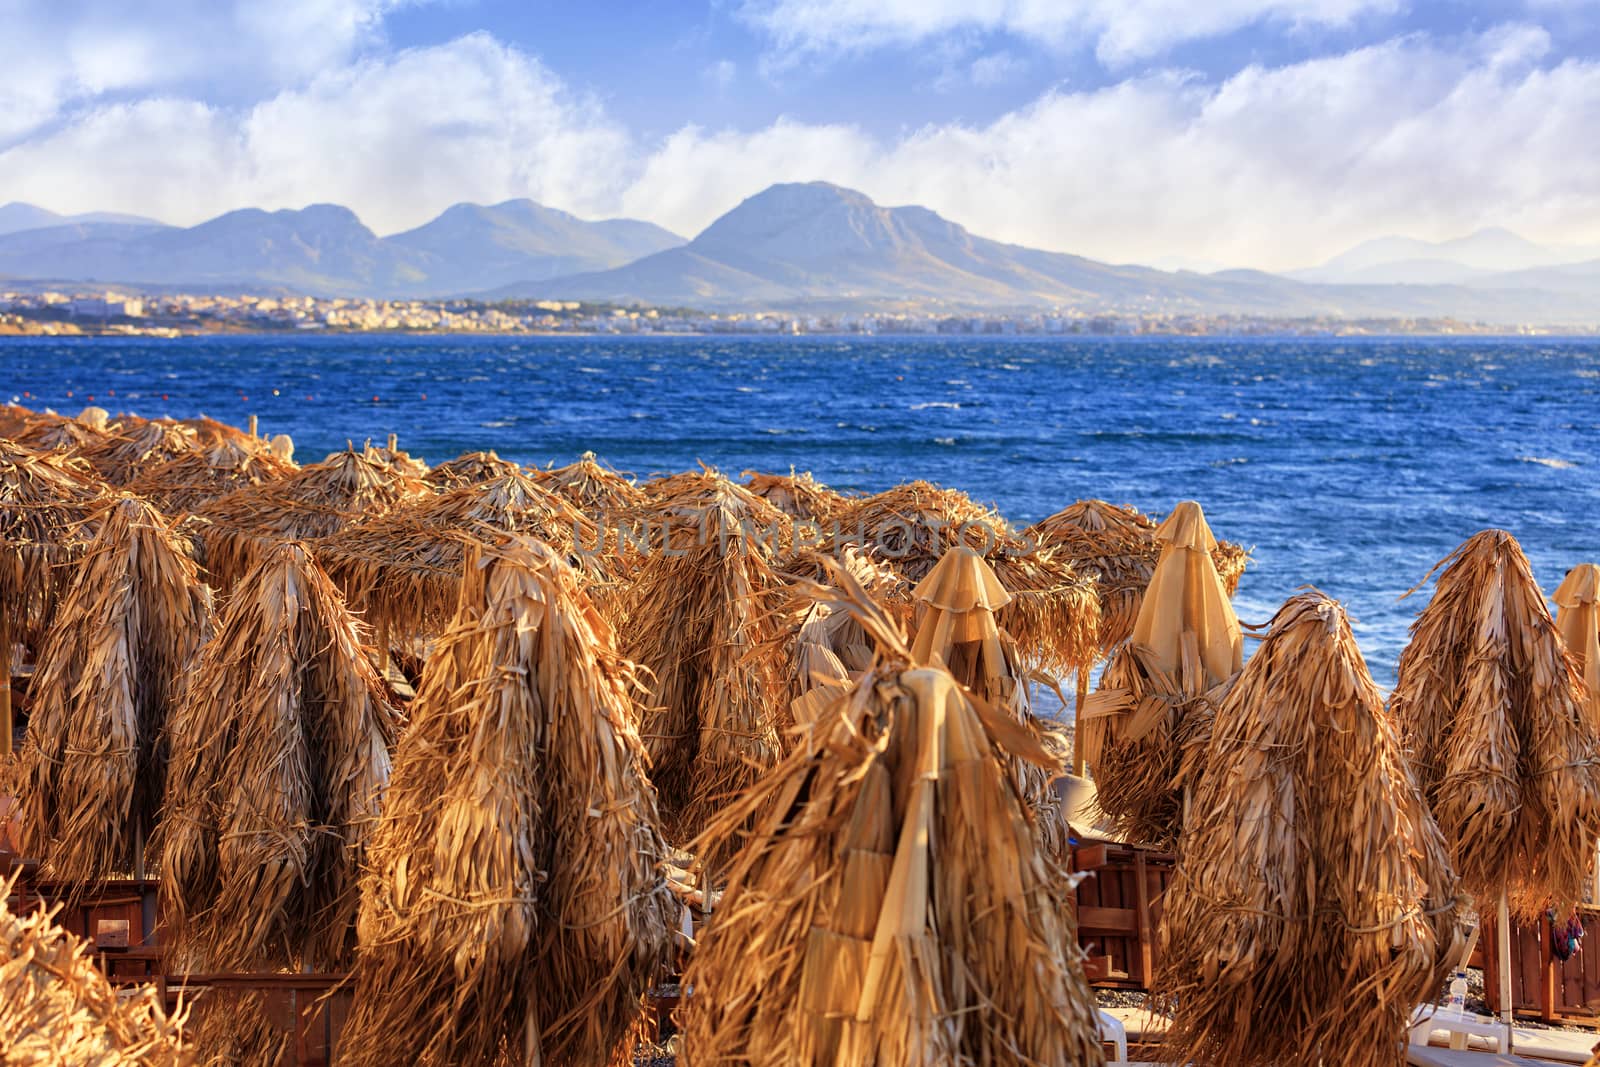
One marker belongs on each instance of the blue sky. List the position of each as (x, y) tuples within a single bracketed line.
[(1267, 133)]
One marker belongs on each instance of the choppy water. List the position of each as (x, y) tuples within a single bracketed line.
[(1351, 465)]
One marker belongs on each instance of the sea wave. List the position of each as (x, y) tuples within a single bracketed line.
[(1548, 461), (950, 404)]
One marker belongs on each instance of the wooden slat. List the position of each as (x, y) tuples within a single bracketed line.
[(1108, 920)]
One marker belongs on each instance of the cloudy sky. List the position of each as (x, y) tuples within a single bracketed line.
[(1267, 133)]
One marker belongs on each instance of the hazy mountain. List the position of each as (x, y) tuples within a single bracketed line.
[(16, 217), (325, 249), (476, 246), (1409, 261)]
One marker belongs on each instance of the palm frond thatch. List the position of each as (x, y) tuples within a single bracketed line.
[(1117, 544), (47, 431), (136, 446), (594, 488), (45, 502), (513, 900), (469, 468), (185, 483), (891, 905), (1055, 611), (1313, 905), (1578, 598), (799, 496), (1492, 713), (57, 1007), (279, 756), (316, 501), (110, 672)]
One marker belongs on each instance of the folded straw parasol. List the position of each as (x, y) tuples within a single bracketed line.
[(891, 905), (1313, 906), (1159, 690), (57, 1007), (1578, 619), (314, 501), (469, 468), (1492, 711), (1054, 612), (513, 902), (279, 755), (110, 673)]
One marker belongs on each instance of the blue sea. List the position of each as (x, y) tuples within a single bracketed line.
[(1352, 465)]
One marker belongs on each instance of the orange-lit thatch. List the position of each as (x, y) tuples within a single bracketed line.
[(136, 446), (469, 468), (111, 670), (513, 904), (1578, 619), (1493, 716), (594, 488), (402, 570), (315, 501), (799, 496), (1117, 544), (891, 905), (45, 500), (1054, 613), (279, 755), (187, 482), (50, 432), (1313, 906)]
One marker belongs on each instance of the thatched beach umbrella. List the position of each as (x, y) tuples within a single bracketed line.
[(1158, 692), (136, 445), (279, 755), (315, 501), (185, 483), (596, 489), (799, 496), (469, 468), (891, 905), (50, 432), (44, 504), (1054, 611), (1313, 906), (513, 900), (1493, 719), (58, 1007), (110, 673), (699, 616), (1578, 619), (401, 570)]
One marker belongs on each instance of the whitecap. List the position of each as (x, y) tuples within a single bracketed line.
[(1549, 461), (949, 404), (944, 440)]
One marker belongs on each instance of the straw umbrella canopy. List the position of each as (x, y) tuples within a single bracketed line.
[(1158, 692), (1492, 711), (279, 755), (469, 468), (214, 469), (595, 488), (315, 501), (1313, 906), (1578, 618), (401, 570), (58, 1007), (111, 670), (513, 900), (891, 904), (136, 445), (1054, 612), (799, 496), (14, 419), (50, 432), (699, 617)]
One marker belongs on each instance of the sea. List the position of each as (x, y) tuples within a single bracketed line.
[(1352, 465)]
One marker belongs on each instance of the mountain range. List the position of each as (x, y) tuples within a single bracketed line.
[(797, 246)]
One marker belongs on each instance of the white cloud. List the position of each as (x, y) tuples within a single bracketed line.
[(721, 74), (1120, 30)]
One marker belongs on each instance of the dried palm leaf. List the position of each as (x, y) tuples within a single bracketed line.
[(50, 432), (138, 445), (56, 1007), (1493, 719), (233, 1028), (315, 501), (469, 468), (1313, 906), (45, 502), (1117, 544), (1054, 613), (279, 756), (110, 672), (513, 902), (402, 569), (892, 905), (594, 488), (1163, 683), (799, 496), (13, 420), (1578, 598), (182, 485)]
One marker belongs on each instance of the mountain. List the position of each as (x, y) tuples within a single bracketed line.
[(326, 250), (1409, 261), (16, 217), (476, 246), (816, 246)]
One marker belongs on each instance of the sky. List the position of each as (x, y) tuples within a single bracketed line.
[(1261, 133)]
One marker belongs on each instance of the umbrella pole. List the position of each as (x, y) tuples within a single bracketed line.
[(1503, 930), (1077, 723), (383, 648), (6, 723)]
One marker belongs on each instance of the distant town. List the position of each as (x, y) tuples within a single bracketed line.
[(101, 312)]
